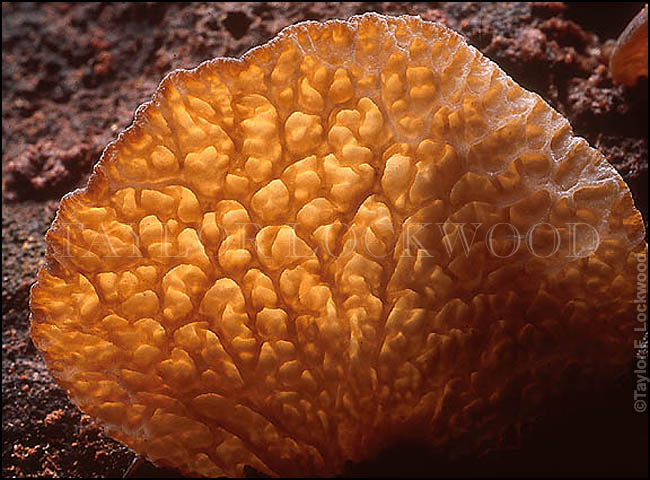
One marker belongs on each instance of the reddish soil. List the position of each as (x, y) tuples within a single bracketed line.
[(73, 75)]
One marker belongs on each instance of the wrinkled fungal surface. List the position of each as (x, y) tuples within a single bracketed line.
[(361, 231)]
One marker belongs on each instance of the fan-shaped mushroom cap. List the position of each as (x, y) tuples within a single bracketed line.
[(629, 59), (269, 269)]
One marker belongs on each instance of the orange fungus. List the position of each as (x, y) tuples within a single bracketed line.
[(360, 231)]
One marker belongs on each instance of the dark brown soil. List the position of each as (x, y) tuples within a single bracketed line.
[(72, 77)]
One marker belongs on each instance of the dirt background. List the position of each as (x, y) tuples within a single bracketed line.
[(72, 77)]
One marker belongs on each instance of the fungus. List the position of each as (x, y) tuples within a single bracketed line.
[(269, 267), (629, 59)]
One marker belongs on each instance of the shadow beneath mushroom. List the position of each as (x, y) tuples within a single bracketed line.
[(582, 433)]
